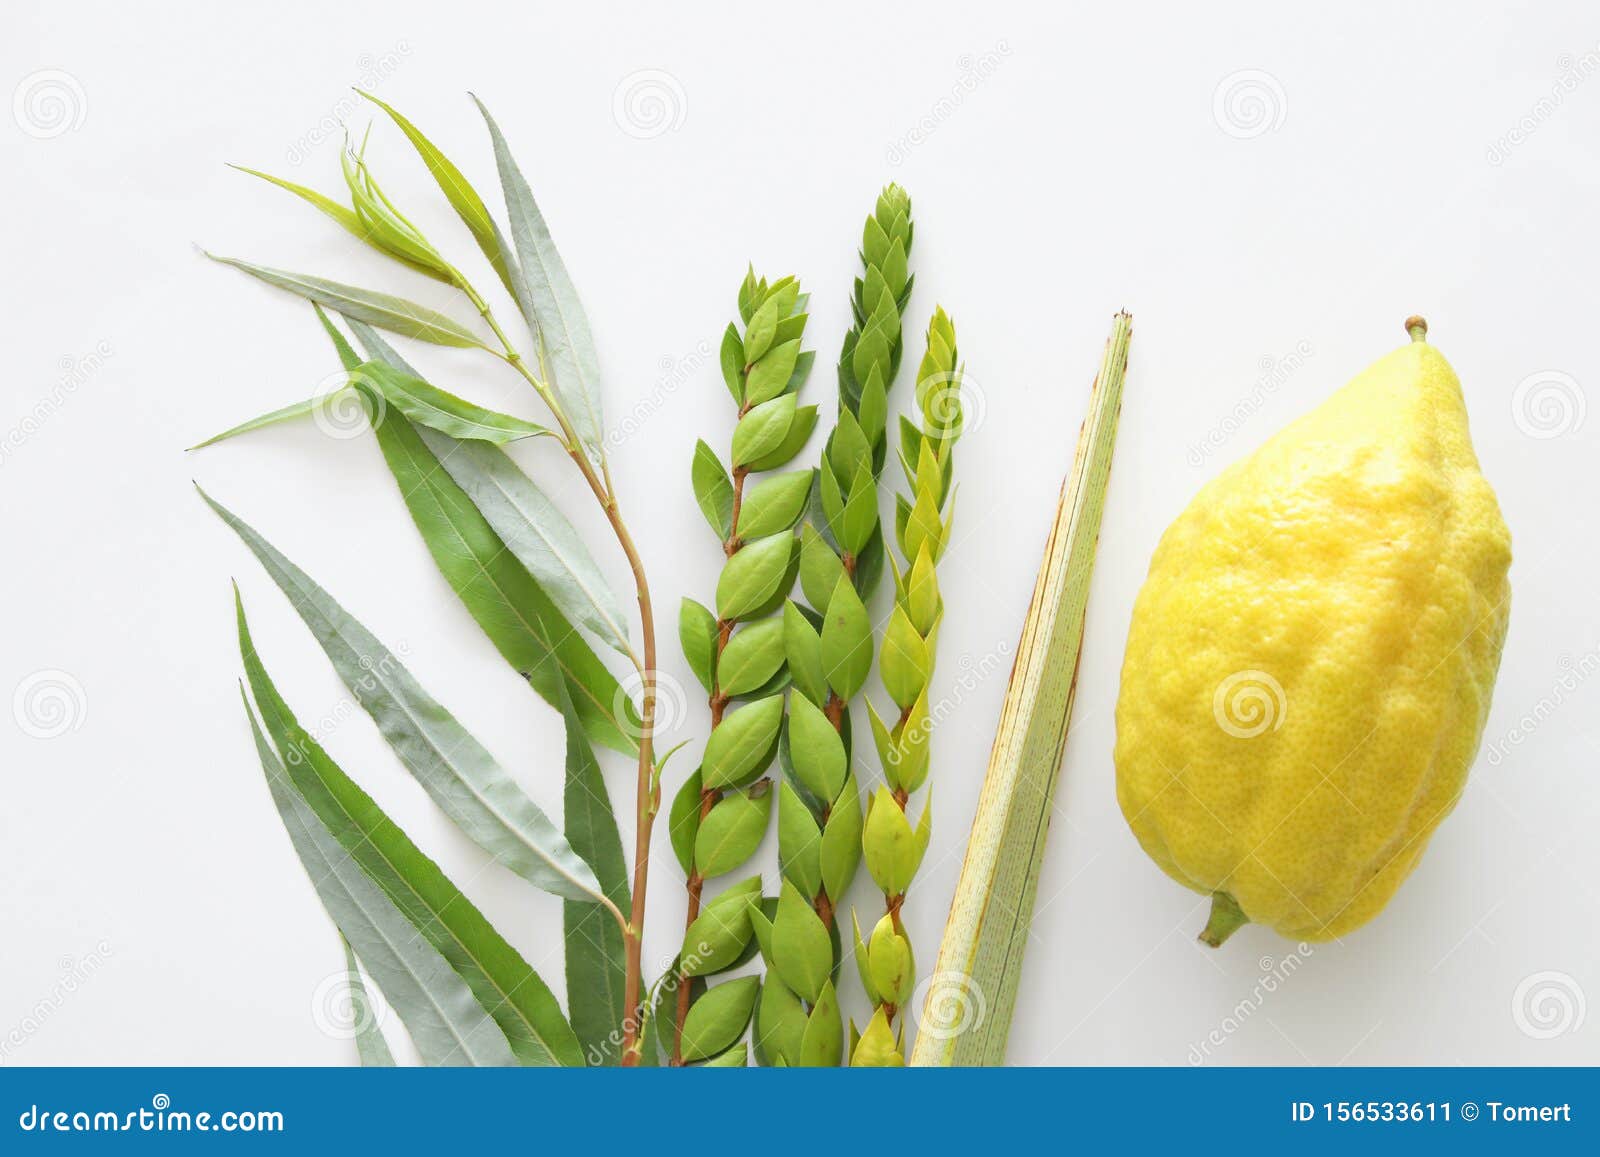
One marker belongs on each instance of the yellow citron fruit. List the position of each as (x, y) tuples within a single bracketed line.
[(1312, 655)]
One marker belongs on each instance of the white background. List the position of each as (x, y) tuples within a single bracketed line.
[(1380, 162)]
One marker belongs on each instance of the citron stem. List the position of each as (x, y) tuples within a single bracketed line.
[(1417, 327), (1226, 919)]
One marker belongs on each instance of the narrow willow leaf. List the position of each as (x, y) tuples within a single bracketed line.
[(445, 1020), (285, 414), (459, 192), (989, 919), (395, 314), (595, 953), (429, 406), (343, 214), (521, 620), (454, 768), (370, 1045), (536, 532), (548, 299), (502, 981)]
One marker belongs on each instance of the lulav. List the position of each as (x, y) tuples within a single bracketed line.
[(721, 814)]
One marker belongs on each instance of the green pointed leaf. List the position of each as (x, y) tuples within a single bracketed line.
[(858, 518), (802, 648), (799, 842), (904, 661), (536, 531), (889, 960), (802, 951), (459, 192), (683, 822), (775, 504), (548, 299), (341, 213), (841, 840), (454, 768), (759, 334), (499, 978), (763, 429), (846, 641), (283, 414), (718, 1018), (794, 440), (735, 1058), (437, 409), (395, 314), (370, 1045), (752, 657), (823, 1042), (732, 358), (820, 569), (780, 1024), (753, 576), (732, 830), (742, 745), (697, 634), (719, 934), (888, 845), (815, 749), (770, 376), (713, 489)]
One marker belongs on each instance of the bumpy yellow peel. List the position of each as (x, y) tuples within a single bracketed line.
[(1312, 655)]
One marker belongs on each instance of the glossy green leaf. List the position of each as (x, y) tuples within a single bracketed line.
[(763, 429), (769, 377), (820, 569), (455, 769), (774, 504), (754, 574), (713, 489), (683, 822), (822, 1045), (437, 409), (717, 937), (802, 648), (841, 840), (283, 414), (846, 641), (904, 661), (697, 635), (732, 830), (341, 213), (815, 749), (731, 356), (859, 517), (752, 657), (549, 300), (799, 842), (735, 1058), (780, 1024), (889, 960), (742, 744), (802, 951), (888, 845), (395, 314), (759, 333), (717, 1019), (794, 440)]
